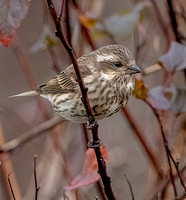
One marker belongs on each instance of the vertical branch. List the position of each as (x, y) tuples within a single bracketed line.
[(165, 145), (164, 28), (67, 22), (174, 24), (173, 20), (92, 122), (35, 178), (7, 167)]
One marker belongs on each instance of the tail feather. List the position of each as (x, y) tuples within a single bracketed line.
[(25, 94)]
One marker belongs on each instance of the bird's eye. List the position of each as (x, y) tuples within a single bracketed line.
[(117, 64)]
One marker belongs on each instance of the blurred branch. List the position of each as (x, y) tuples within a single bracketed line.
[(87, 37), (163, 184), (54, 59), (174, 24), (151, 69), (178, 172), (11, 189), (35, 178), (6, 167), (130, 186), (92, 122), (137, 45), (84, 29), (173, 20), (168, 152), (162, 24), (27, 71), (182, 197), (141, 139), (27, 136), (58, 148)]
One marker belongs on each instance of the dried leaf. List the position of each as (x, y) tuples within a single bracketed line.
[(11, 14), (174, 59), (157, 98), (87, 22), (140, 90), (121, 24), (177, 98), (89, 172), (173, 98), (46, 39)]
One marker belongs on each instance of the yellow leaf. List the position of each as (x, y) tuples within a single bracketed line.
[(140, 90), (87, 22)]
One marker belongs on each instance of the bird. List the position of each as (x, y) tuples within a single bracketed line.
[(108, 74)]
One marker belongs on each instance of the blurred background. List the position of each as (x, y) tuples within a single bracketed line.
[(132, 137)]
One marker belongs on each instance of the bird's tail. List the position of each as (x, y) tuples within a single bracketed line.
[(25, 94)]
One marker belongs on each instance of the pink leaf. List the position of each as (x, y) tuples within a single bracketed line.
[(12, 12), (89, 172)]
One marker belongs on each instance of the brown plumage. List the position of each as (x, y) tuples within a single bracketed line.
[(108, 75)]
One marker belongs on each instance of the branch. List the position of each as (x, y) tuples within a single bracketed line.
[(35, 178), (27, 136), (165, 145), (130, 186), (164, 184), (178, 172), (92, 122), (173, 20), (174, 24), (11, 189)]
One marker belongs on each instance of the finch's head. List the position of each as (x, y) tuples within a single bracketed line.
[(116, 59)]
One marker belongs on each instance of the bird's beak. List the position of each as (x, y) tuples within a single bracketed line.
[(133, 69)]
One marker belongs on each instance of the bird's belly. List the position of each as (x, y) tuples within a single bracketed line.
[(72, 108)]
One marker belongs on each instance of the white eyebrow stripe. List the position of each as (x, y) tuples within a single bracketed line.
[(103, 57)]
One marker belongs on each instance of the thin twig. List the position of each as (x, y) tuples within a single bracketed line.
[(92, 122), (178, 172), (35, 178), (130, 186), (67, 22), (62, 6), (165, 145), (163, 184), (27, 136), (11, 189)]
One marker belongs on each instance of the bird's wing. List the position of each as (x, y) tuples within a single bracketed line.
[(59, 84), (63, 83)]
